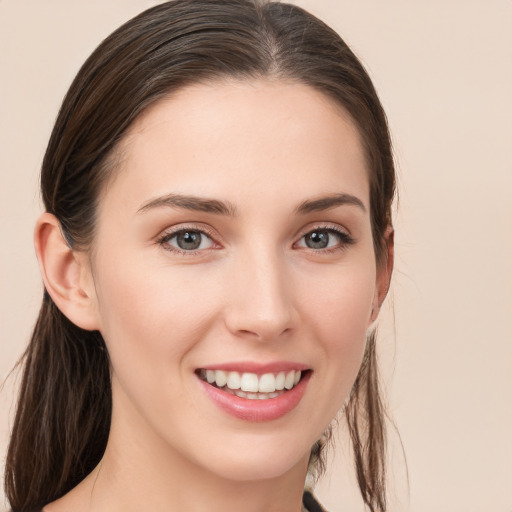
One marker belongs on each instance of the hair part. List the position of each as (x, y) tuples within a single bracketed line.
[(63, 414)]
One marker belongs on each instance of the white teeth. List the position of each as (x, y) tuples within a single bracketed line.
[(249, 382), (280, 378), (288, 382), (220, 378), (234, 381), (253, 386), (253, 396), (267, 383)]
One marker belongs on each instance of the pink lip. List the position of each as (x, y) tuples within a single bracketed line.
[(256, 410), (258, 368)]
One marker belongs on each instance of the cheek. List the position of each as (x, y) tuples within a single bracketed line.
[(338, 313), (153, 313), (152, 321), (339, 304)]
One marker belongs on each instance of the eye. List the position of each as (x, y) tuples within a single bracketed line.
[(325, 238), (187, 240)]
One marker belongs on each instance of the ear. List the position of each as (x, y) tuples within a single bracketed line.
[(66, 273), (384, 272)]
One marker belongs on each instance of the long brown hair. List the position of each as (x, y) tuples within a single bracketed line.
[(63, 414)]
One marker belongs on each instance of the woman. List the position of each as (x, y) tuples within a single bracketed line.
[(216, 246)]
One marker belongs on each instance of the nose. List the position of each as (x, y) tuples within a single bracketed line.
[(261, 298)]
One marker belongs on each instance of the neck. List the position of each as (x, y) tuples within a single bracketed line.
[(176, 485), (151, 475)]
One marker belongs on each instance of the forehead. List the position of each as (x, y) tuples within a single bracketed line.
[(240, 139)]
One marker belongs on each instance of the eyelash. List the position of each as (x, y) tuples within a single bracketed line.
[(345, 240), (164, 239)]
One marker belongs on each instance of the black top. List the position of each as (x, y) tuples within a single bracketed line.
[(310, 503)]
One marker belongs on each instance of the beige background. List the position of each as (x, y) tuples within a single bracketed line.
[(444, 72)]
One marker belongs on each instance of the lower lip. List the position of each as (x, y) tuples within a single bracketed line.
[(257, 410)]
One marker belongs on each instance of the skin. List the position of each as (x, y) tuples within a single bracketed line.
[(253, 291)]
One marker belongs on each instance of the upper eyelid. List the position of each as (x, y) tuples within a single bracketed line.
[(323, 225), (171, 231)]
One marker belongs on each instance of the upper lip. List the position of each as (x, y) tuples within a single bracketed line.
[(258, 368)]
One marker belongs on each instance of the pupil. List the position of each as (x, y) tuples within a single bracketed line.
[(317, 240), (189, 240)]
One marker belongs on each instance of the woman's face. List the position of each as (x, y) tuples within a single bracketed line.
[(234, 242)]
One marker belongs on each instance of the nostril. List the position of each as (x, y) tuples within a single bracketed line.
[(264, 332)]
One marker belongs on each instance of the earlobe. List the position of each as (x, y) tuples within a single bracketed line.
[(66, 273), (384, 272)]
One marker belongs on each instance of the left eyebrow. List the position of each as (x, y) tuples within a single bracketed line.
[(328, 202), (198, 204)]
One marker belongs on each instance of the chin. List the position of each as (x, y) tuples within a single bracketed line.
[(252, 463)]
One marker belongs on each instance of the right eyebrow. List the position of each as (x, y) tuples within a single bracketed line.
[(194, 203)]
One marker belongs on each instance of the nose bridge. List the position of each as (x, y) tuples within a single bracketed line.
[(261, 303)]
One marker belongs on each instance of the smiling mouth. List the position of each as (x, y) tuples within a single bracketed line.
[(251, 385)]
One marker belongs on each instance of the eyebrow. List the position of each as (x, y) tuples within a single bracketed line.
[(328, 202), (198, 204)]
